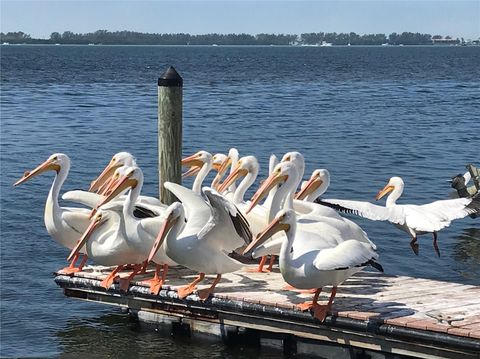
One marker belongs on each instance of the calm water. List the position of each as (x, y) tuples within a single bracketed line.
[(366, 114)]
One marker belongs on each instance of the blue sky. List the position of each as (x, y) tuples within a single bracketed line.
[(40, 18)]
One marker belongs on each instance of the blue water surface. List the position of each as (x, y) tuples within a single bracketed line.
[(364, 113)]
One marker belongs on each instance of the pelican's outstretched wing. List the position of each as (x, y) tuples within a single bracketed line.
[(367, 210), (437, 215)]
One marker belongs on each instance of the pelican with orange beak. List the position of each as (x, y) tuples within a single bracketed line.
[(140, 232), (413, 219), (202, 244), (64, 224), (200, 163), (106, 244), (330, 264)]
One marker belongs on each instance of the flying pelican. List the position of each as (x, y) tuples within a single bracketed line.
[(64, 224), (203, 242), (413, 219), (330, 264), (140, 232)]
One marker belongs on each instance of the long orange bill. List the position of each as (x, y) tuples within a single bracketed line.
[(236, 173), (106, 174), (221, 169), (384, 191), (86, 235), (117, 187), (45, 166), (167, 224), (275, 226), (192, 161), (310, 187), (266, 186), (191, 172)]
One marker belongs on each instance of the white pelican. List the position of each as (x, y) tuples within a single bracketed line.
[(106, 244), (140, 232), (330, 264), (248, 167), (413, 219), (203, 242), (230, 160), (64, 224), (286, 175), (217, 161)]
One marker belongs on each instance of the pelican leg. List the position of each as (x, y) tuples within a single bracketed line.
[(320, 311), (190, 288), (203, 294), (156, 282), (270, 264), (125, 282), (307, 305), (107, 282), (414, 245), (263, 260), (83, 262), (435, 244), (144, 267)]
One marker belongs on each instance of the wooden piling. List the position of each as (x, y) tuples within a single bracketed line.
[(170, 100)]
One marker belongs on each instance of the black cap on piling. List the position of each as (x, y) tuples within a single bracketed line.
[(170, 78)]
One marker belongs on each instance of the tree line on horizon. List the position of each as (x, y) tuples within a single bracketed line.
[(105, 37)]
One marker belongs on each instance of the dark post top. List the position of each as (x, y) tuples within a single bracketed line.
[(170, 78)]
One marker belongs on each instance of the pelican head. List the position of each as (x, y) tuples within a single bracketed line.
[(197, 160), (317, 179), (284, 221), (123, 178), (174, 213), (54, 163), (118, 160), (279, 175), (395, 183), (245, 165), (96, 221)]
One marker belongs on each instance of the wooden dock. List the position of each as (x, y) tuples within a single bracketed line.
[(393, 315)]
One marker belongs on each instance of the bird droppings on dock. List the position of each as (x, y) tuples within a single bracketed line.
[(394, 314)]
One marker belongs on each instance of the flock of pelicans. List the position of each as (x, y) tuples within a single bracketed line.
[(316, 246)]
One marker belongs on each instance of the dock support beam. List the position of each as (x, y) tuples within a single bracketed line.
[(170, 102)]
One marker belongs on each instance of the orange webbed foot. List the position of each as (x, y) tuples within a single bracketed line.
[(305, 306), (204, 294), (155, 286), (69, 270), (183, 292), (306, 291), (320, 312)]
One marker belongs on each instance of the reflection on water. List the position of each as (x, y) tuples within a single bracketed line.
[(119, 335), (467, 251)]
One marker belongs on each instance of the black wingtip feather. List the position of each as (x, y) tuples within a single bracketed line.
[(375, 265), (337, 207)]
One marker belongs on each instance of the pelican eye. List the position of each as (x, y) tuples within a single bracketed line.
[(99, 217), (55, 158)]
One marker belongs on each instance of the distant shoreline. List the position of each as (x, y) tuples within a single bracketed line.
[(314, 39), (240, 46)]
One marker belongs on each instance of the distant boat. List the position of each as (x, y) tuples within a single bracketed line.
[(6, 43), (400, 45), (91, 44), (214, 45), (57, 44), (349, 44), (324, 43), (386, 44)]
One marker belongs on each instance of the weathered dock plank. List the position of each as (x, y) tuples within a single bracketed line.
[(390, 314)]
